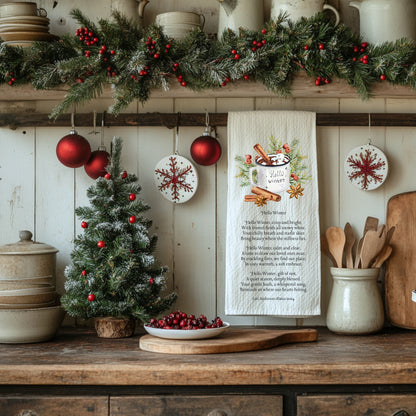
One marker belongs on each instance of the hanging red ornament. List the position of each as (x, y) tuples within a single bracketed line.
[(132, 219), (132, 197), (96, 164), (101, 244), (84, 224), (206, 150), (124, 174), (91, 297), (73, 150)]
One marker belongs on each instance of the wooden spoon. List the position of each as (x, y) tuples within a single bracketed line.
[(372, 245), (382, 256), (349, 242), (336, 242), (371, 223), (325, 250)]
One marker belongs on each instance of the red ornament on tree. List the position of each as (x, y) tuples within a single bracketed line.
[(132, 219), (84, 272), (124, 174), (107, 176), (73, 150), (91, 297), (96, 164), (206, 150), (132, 197), (84, 224), (101, 244)]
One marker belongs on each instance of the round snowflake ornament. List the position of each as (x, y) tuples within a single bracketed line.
[(366, 167), (176, 178)]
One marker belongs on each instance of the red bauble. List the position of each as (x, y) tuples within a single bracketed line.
[(91, 297), (124, 174), (101, 244), (107, 176), (132, 219), (84, 272), (206, 150), (132, 197), (84, 224), (95, 167), (151, 281), (73, 150)]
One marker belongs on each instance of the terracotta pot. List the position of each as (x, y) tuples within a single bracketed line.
[(110, 327)]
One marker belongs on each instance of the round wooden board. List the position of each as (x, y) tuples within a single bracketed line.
[(233, 340)]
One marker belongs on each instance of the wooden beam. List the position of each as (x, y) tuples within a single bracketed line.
[(171, 120)]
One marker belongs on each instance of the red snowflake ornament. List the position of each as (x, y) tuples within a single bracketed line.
[(176, 178), (366, 167)]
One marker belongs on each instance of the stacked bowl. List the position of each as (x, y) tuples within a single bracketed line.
[(29, 304), (177, 25), (22, 23)]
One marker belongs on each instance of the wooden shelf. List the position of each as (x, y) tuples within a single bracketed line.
[(301, 87)]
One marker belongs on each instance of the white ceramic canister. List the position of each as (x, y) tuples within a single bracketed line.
[(355, 306), (295, 9), (386, 20), (247, 14)]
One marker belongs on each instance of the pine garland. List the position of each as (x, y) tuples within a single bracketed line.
[(135, 62)]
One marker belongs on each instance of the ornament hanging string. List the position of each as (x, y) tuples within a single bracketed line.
[(369, 128), (177, 134)]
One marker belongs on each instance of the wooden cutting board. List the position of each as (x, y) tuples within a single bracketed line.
[(232, 340), (400, 278)]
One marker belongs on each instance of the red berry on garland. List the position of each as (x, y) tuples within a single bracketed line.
[(101, 244), (91, 297), (84, 224), (84, 272), (183, 83), (233, 51), (113, 52), (107, 176), (132, 197), (264, 31), (132, 219), (156, 56), (246, 77), (73, 150), (237, 56), (151, 281), (321, 46), (124, 174), (306, 47), (383, 77), (95, 167), (80, 80)]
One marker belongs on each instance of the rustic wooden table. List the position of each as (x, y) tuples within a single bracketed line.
[(337, 375)]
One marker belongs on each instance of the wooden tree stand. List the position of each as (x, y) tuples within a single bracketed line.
[(109, 327)]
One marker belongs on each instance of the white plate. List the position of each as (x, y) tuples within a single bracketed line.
[(187, 333)]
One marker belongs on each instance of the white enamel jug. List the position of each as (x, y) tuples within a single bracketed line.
[(386, 20), (295, 9), (132, 9), (247, 14)]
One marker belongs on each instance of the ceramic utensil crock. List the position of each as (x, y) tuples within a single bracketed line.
[(355, 306)]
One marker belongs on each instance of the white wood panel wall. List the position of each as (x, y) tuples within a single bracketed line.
[(38, 193)]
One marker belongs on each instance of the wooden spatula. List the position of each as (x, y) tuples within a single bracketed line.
[(372, 245), (371, 223), (349, 242), (336, 241), (382, 256), (325, 250)]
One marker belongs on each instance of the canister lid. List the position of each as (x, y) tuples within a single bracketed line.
[(26, 246)]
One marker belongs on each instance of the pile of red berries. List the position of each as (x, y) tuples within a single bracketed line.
[(181, 320)]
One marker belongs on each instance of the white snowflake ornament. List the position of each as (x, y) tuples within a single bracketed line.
[(176, 178), (366, 167)]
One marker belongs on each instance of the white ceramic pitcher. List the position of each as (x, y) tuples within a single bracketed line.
[(295, 9), (247, 14), (132, 9), (386, 20)]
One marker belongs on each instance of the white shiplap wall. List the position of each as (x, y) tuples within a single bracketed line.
[(38, 193)]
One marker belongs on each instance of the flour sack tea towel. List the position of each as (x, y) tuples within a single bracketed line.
[(272, 244)]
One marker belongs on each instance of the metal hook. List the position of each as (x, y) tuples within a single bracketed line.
[(102, 147), (73, 121)]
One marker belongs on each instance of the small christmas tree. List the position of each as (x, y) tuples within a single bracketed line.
[(113, 271)]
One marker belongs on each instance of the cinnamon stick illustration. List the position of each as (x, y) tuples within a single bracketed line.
[(262, 153), (264, 192)]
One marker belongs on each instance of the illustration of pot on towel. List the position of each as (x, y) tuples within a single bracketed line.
[(273, 171)]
